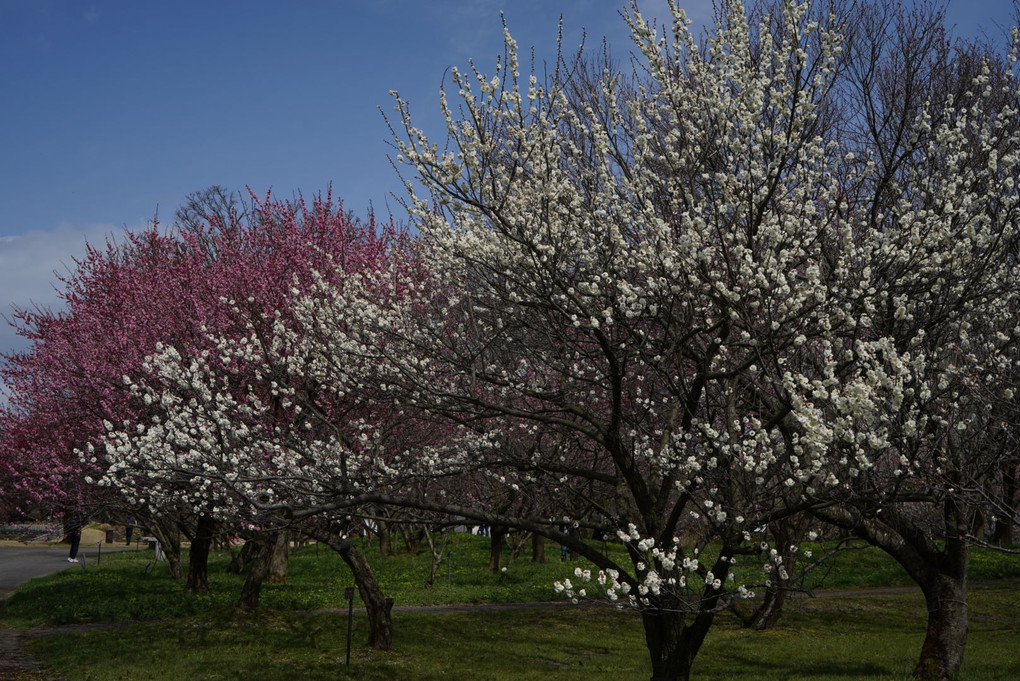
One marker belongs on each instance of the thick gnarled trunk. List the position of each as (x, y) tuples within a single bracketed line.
[(663, 635), (940, 571), (672, 642), (673, 632), (946, 635)]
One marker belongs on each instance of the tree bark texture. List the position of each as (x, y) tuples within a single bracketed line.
[(279, 558), (672, 642), (784, 534), (760, 615), (385, 538), (537, 548), (240, 558), (946, 636), (251, 591), (496, 539), (437, 556), (380, 623), (168, 534), (198, 558), (940, 571), (1002, 532), (771, 608)]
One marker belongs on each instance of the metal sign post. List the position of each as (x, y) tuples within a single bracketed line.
[(349, 594)]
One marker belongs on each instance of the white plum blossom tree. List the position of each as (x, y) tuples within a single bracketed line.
[(640, 269), (736, 287), (932, 312)]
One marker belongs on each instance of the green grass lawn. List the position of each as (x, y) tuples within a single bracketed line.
[(872, 637), (122, 587), (197, 638)]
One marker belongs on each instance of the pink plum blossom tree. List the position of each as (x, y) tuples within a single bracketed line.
[(120, 301), (239, 429)]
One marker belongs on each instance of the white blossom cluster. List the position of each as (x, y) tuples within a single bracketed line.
[(659, 571)]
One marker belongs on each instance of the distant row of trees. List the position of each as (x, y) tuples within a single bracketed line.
[(764, 280)]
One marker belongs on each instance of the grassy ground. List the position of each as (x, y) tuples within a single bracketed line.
[(199, 638), (127, 586), (875, 637)]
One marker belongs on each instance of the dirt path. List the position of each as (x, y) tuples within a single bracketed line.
[(16, 664)]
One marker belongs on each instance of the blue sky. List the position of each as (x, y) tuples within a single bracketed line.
[(113, 109)]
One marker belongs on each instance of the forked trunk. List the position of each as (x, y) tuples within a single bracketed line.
[(198, 558), (946, 637), (412, 536), (761, 615), (239, 559), (770, 610), (672, 643)]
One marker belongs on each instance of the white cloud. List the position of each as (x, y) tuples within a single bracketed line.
[(29, 264)]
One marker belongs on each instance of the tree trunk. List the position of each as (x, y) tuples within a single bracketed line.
[(251, 591), (1002, 532), (278, 559), (941, 572), (168, 534), (239, 559), (672, 644), (771, 608), (944, 583), (198, 558), (496, 538), (537, 548), (784, 533), (385, 538), (946, 637), (437, 556), (380, 623), (412, 536)]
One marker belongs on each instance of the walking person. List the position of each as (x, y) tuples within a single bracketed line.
[(74, 528), (129, 530)]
